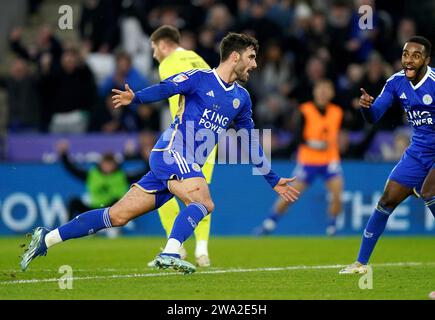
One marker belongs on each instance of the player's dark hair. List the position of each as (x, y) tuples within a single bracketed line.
[(236, 42), (166, 32), (424, 42)]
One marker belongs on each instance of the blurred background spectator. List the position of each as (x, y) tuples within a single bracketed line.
[(59, 81), (69, 94), (23, 97)]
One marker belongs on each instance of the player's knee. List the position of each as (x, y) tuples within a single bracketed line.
[(117, 219), (388, 202), (209, 205)]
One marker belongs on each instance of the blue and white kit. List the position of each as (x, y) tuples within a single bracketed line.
[(419, 105), (207, 107)]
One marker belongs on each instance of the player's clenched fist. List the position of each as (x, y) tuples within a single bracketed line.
[(365, 100), (122, 98)]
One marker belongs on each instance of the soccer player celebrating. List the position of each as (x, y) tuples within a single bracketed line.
[(173, 59), (210, 100), (414, 87), (319, 124)]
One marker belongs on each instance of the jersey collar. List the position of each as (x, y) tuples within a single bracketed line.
[(420, 83), (231, 87)]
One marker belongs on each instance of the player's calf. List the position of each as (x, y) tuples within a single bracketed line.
[(85, 224), (195, 194), (375, 227), (133, 204)]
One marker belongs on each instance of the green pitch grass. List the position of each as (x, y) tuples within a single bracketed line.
[(242, 268)]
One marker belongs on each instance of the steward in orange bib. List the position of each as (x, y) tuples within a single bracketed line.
[(319, 123)]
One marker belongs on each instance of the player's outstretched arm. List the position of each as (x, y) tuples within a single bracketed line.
[(286, 191), (122, 98), (178, 84)]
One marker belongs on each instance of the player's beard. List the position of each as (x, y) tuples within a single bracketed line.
[(240, 72)]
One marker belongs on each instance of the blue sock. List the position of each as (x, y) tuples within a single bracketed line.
[(332, 221), (187, 220), (430, 203), (372, 232), (275, 216), (85, 224)]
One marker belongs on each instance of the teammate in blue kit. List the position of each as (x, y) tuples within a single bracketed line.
[(414, 87), (210, 100)]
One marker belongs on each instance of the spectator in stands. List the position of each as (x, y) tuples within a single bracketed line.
[(207, 47), (23, 98), (348, 97), (394, 152), (281, 12), (33, 6), (70, 94), (220, 20), (108, 119), (106, 183), (355, 149), (46, 46), (362, 39), (271, 110), (188, 40), (300, 43), (148, 116), (339, 27), (124, 73), (374, 80), (405, 30), (99, 25), (315, 70), (147, 139), (318, 35), (275, 74), (256, 22)]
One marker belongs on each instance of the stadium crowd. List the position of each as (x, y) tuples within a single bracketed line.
[(53, 86)]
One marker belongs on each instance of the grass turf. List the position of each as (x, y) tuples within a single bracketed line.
[(242, 268)]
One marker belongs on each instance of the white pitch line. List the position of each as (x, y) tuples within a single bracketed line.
[(232, 270)]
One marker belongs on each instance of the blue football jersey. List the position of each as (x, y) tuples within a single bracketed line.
[(205, 103), (207, 107), (418, 101)]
